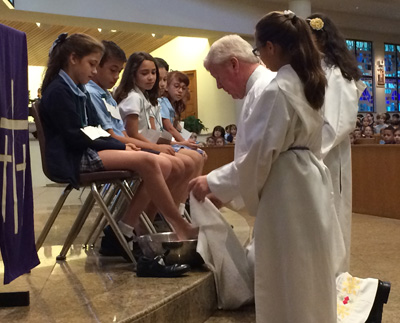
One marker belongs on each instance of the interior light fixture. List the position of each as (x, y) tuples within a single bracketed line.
[(154, 35), (99, 29), (113, 30), (38, 24)]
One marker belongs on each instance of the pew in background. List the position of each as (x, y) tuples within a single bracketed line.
[(375, 170), (217, 157)]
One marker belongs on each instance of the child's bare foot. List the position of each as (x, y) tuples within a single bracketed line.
[(187, 233)]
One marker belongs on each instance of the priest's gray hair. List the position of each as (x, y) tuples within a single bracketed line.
[(227, 47)]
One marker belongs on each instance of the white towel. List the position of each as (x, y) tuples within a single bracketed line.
[(223, 254)]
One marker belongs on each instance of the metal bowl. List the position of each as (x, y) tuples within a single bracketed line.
[(177, 251)]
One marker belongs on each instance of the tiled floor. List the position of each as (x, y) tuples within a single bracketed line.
[(89, 288)]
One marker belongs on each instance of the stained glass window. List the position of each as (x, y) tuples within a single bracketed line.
[(363, 52), (392, 77)]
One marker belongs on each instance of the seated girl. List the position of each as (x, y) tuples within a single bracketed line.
[(137, 101), (368, 132), (66, 111)]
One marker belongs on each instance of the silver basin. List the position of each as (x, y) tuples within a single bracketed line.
[(177, 251)]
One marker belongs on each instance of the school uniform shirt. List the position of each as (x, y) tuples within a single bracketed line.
[(167, 110), (283, 183), (136, 103), (340, 111), (107, 121), (65, 108)]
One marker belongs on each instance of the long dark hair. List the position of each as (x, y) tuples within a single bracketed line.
[(128, 80), (333, 45), (293, 35), (79, 44), (179, 106)]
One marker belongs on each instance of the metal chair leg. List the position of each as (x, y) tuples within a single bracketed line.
[(109, 198), (187, 216), (77, 226), (80, 220), (119, 207), (53, 216), (143, 217), (112, 223)]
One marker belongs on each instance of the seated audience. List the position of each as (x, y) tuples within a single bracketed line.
[(219, 142), (380, 122), (395, 121), (232, 135), (368, 132), (357, 133), (397, 136), (218, 131), (370, 117), (366, 122), (227, 131), (210, 141), (388, 135)]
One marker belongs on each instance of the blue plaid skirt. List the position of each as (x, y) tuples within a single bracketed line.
[(91, 162)]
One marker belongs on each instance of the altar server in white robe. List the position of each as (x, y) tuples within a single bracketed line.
[(340, 110), (278, 173)]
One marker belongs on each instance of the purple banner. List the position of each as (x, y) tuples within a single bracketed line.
[(17, 240)]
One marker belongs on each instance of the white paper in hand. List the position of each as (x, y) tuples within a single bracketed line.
[(223, 254), (185, 134), (114, 111), (94, 132), (151, 135)]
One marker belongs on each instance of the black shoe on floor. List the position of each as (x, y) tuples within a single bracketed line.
[(147, 267), (111, 247), (382, 296)]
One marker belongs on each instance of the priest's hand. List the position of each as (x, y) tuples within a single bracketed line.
[(215, 200), (199, 187)]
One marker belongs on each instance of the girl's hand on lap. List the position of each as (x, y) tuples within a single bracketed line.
[(190, 143), (131, 147), (166, 149)]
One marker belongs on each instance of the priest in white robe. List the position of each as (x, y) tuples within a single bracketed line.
[(278, 173)]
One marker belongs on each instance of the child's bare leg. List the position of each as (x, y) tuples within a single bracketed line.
[(197, 158), (151, 172)]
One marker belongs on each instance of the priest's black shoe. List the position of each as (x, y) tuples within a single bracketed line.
[(382, 296), (147, 267), (111, 247)]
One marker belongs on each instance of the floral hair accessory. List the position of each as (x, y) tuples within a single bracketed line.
[(289, 14), (316, 23), (60, 39)]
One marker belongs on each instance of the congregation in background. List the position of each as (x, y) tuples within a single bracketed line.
[(381, 128)]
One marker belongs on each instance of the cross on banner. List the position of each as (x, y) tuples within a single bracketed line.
[(17, 240)]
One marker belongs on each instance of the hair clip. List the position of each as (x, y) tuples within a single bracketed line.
[(316, 23), (289, 14), (60, 39)]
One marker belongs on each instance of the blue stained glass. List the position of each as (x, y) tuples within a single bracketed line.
[(390, 62), (392, 72), (391, 94), (350, 44), (363, 53), (398, 87), (389, 48), (398, 61), (366, 102)]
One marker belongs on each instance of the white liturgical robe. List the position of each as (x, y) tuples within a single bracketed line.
[(340, 110), (278, 173)]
